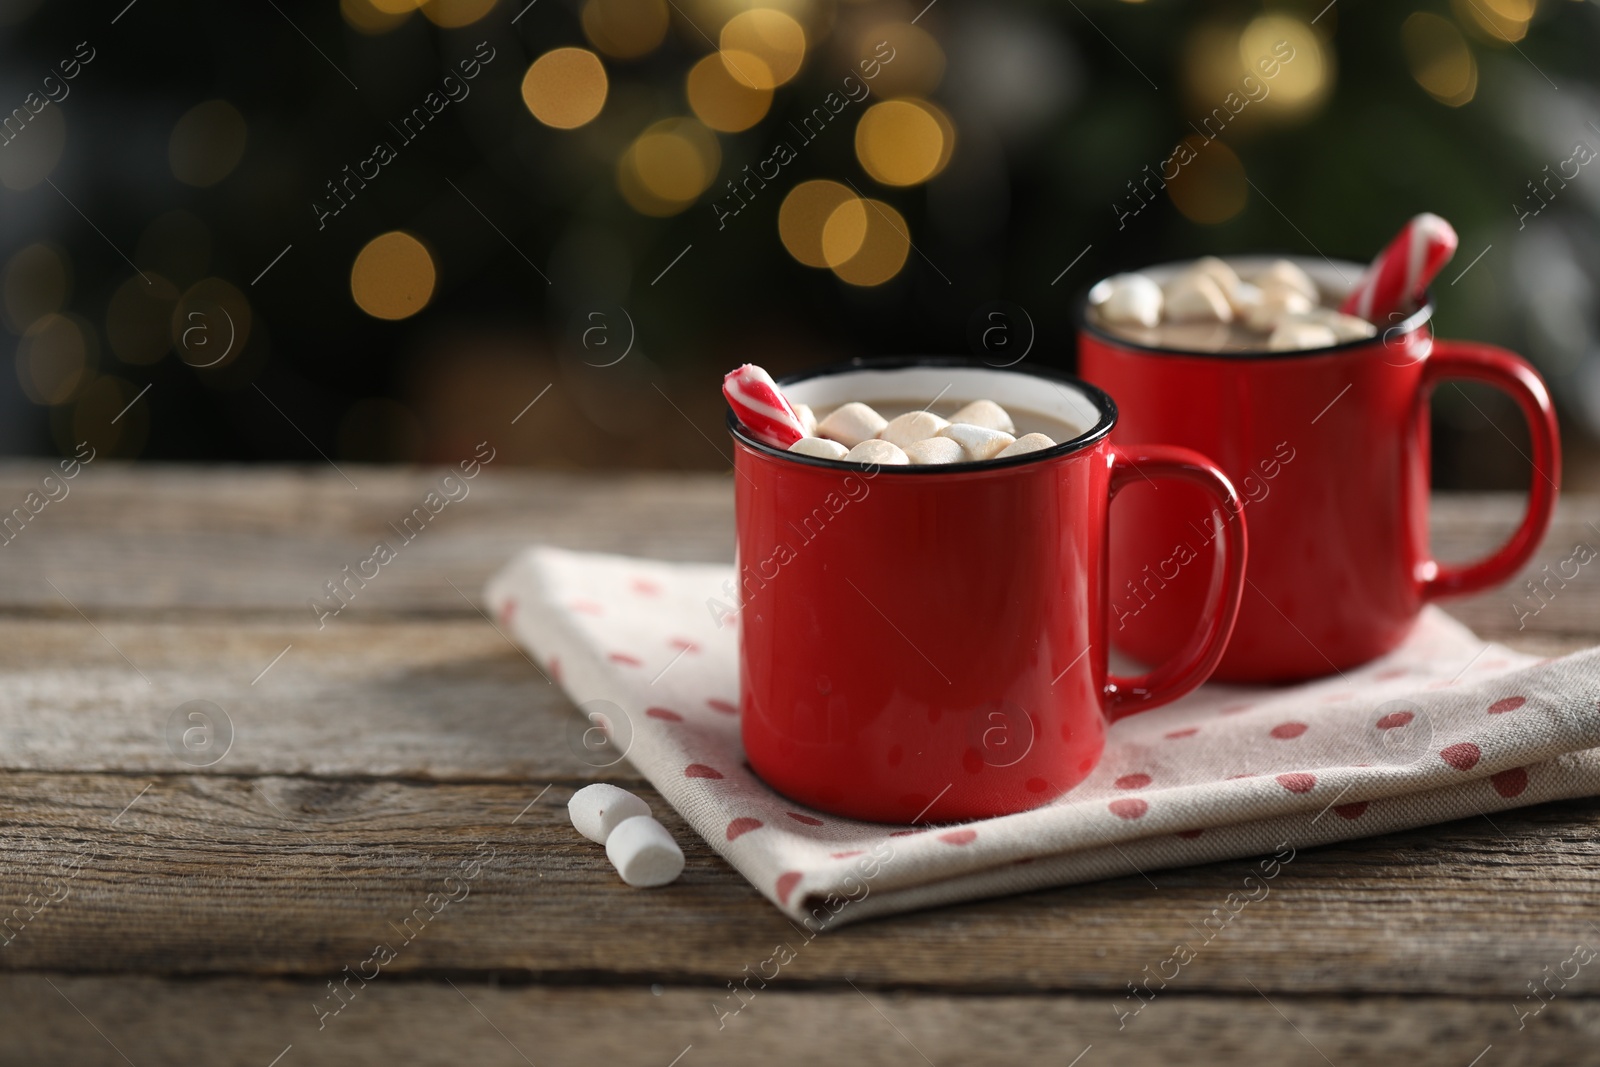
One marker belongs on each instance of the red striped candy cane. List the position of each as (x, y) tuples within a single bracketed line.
[(760, 405), (1398, 279)]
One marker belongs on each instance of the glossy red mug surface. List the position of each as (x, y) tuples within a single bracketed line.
[(1329, 448), (929, 643)]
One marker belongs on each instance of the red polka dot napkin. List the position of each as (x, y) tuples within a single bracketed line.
[(1444, 728)]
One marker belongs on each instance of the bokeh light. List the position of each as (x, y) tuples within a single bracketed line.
[(668, 166), (1302, 82), (55, 358), (31, 155), (452, 14), (374, 16), (804, 213), (37, 281), (138, 319), (904, 142), (206, 143), (1496, 20), (393, 276), (1210, 187), (565, 88), (772, 37), (1439, 58), (876, 231), (210, 323), (723, 101), (625, 29), (918, 65)]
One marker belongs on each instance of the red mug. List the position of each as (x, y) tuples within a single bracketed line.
[(929, 642), (1330, 448)]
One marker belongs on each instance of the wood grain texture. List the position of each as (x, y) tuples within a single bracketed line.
[(96, 1022), (192, 874)]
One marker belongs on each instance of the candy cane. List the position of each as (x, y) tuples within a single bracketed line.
[(1398, 279), (761, 406)]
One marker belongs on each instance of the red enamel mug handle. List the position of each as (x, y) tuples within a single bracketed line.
[(1512, 375), (1195, 662)]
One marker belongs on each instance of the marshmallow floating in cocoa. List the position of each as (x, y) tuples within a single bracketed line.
[(850, 424), (912, 427), (820, 447), (876, 451), (1128, 299), (934, 450), (985, 413)]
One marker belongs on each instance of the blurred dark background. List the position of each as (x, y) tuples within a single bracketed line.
[(366, 230)]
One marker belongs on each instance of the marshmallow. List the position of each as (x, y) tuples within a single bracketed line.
[(1244, 298), (808, 418), (985, 413), (934, 450), (1277, 304), (1031, 442), (1194, 336), (1344, 327), (977, 442), (643, 853), (820, 447), (1226, 277), (1127, 300), (850, 424), (596, 810), (1196, 297), (912, 427), (1282, 274), (1297, 333), (875, 451)]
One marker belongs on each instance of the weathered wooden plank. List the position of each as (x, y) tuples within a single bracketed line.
[(91, 1021), (196, 875), (161, 538), (444, 699)]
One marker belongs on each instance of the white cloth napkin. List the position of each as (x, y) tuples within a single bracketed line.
[(1446, 727)]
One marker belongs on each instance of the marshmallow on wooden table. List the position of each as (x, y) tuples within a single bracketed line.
[(1196, 297), (851, 423), (934, 450), (820, 447), (808, 418), (1128, 300), (875, 451), (643, 853), (596, 810), (1028, 442), (912, 427), (977, 442), (985, 413)]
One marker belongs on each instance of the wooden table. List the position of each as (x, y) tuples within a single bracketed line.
[(204, 914)]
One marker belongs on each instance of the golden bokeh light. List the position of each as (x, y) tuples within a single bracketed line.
[(904, 142), (374, 16), (206, 143), (1496, 20), (722, 101), (668, 166), (1210, 186), (803, 215), (396, 7), (138, 317), (878, 234), (772, 37), (55, 358), (31, 155), (36, 283), (625, 29), (393, 276), (1303, 81), (1439, 58), (565, 88), (210, 323), (452, 14), (918, 64)]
